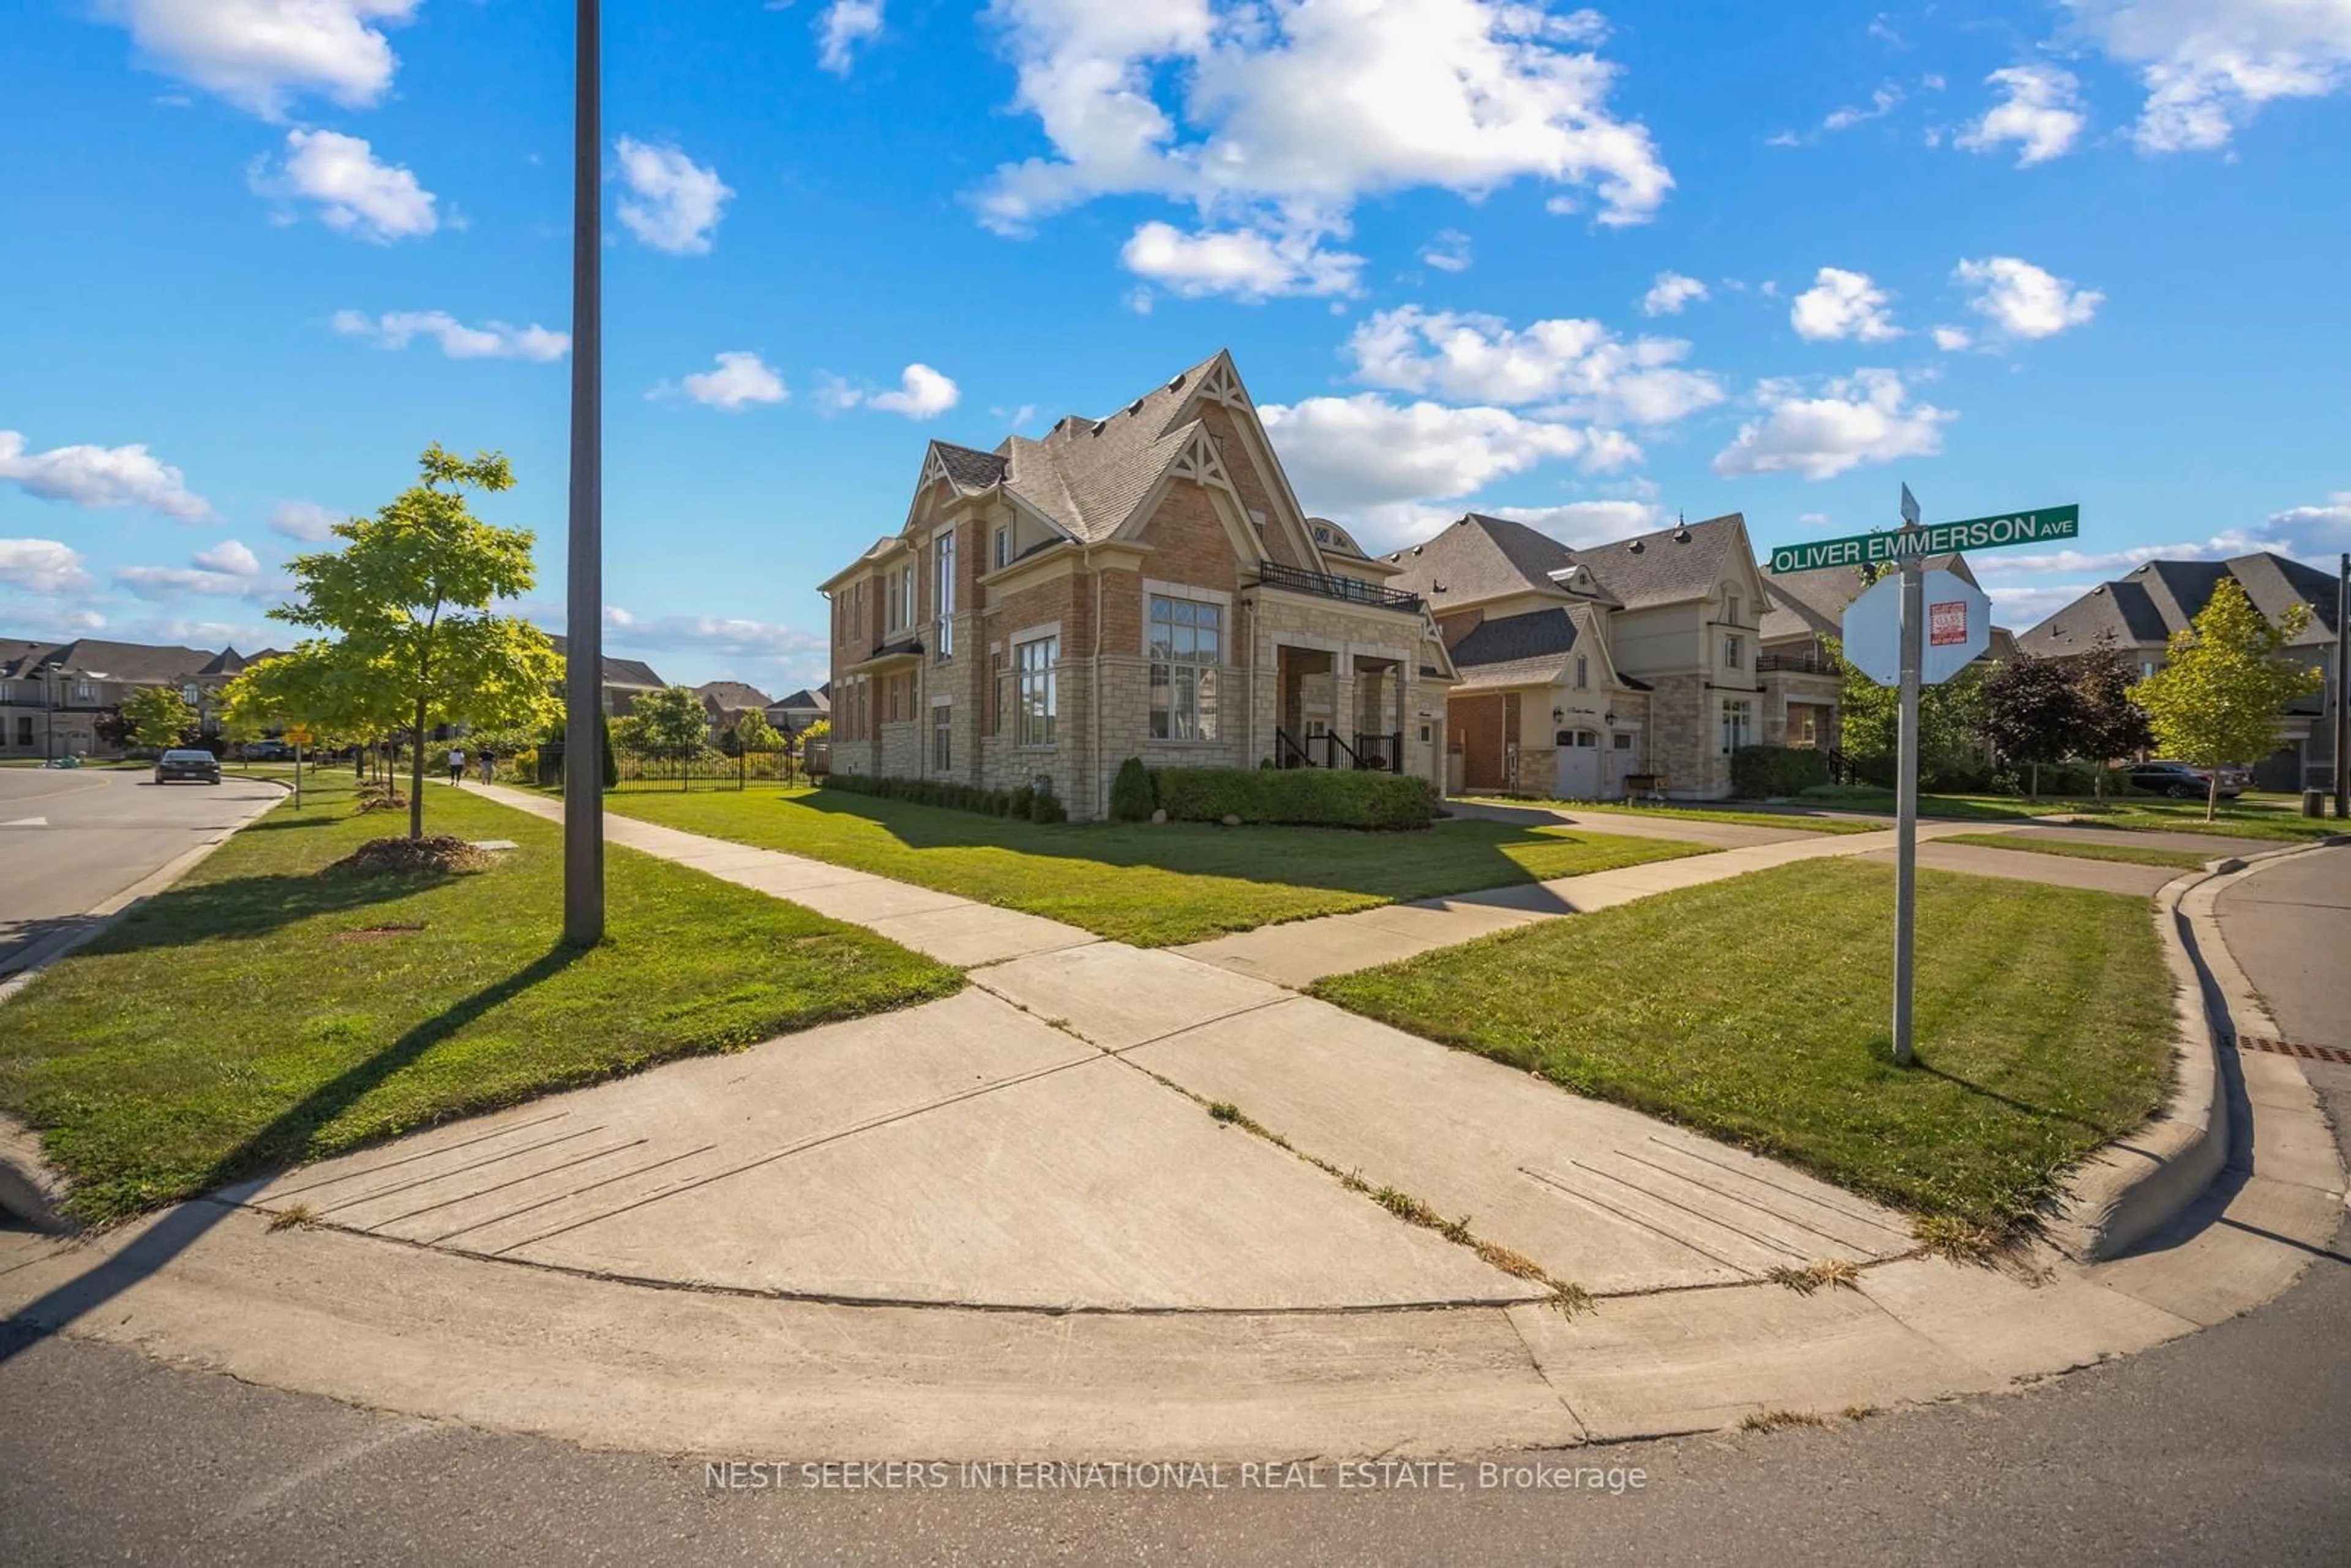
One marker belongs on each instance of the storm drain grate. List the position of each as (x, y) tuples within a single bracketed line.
[(2290, 1048)]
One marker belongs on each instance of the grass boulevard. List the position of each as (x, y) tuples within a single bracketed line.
[(272, 1008), (1151, 885)]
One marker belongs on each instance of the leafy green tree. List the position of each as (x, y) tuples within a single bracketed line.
[(1951, 719), (2031, 713), (2220, 698), (2112, 725), (753, 733), (407, 602), (670, 724), (157, 716)]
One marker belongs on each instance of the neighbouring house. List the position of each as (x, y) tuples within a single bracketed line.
[(54, 694), (2139, 612), (1141, 584), (1586, 673), (727, 701), (801, 709), (625, 680)]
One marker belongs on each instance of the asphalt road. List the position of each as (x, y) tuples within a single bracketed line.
[(71, 840), (2230, 1444), (2291, 930)]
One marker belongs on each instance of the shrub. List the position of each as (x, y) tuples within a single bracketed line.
[(1044, 807), (1304, 797), (1133, 795), (1763, 770)]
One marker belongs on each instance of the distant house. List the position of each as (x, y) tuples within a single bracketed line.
[(54, 694), (1141, 584), (801, 708), (2139, 613), (1582, 669), (727, 701), (625, 680)]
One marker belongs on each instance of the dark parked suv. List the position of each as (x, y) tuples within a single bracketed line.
[(200, 765), (2183, 782)]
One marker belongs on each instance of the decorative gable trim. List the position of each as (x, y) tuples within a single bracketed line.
[(1201, 462)]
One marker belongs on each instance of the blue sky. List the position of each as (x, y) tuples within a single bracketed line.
[(1586, 267)]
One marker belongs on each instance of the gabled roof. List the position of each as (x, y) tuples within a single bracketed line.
[(1532, 649), (2143, 608), (1089, 474), (1481, 557), (730, 695), (136, 664), (626, 673), (807, 701)]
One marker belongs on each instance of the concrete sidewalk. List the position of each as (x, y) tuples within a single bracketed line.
[(959, 931)]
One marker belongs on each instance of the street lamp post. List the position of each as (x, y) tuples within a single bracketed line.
[(583, 730)]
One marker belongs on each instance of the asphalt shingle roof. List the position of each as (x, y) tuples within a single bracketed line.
[(2162, 597), (620, 672), (1481, 557), (728, 695)]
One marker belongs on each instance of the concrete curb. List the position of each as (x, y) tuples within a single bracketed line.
[(2137, 1185), (31, 1189)]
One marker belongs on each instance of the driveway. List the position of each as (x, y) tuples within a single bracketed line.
[(72, 841)]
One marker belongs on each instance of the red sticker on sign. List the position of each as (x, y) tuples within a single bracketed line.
[(1947, 625)]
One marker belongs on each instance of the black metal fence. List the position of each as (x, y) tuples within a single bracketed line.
[(710, 771)]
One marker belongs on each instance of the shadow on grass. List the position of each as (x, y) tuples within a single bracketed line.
[(1460, 855), (2103, 1129), (241, 908), (284, 1139)]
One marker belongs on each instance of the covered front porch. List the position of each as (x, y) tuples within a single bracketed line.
[(1349, 680)]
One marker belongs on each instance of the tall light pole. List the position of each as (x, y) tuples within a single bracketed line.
[(583, 684), (2343, 690)]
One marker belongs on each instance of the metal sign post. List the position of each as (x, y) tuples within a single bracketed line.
[(583, 627), (1905, 796)]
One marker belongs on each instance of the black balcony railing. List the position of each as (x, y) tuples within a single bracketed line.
[(1370, 754), (1273, 574), (1795, 665)]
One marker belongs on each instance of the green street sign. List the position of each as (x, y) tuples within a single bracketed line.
[(1936, 539)]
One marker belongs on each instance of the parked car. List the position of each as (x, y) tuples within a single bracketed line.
[(62, 762), (267, 751), (201, 765), (2182, 781)]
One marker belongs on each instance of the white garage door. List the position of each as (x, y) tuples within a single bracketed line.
[(1579, 765)]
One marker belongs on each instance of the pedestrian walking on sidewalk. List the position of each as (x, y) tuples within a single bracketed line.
[(457, 765), (490, 766)]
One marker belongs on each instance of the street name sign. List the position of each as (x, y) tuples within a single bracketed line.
[(1893, 548), (1958, 629)]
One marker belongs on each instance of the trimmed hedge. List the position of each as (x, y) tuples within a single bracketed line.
[(1756, 771), (1297, 796), (1133, 795), (1024, 803)]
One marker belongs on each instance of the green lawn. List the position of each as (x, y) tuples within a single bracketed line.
[(2121, 849), (1755, 1010), (267, 1010), (1799, 821), (1152, 885)]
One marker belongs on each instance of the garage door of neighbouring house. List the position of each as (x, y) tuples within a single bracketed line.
[(1579, 763)]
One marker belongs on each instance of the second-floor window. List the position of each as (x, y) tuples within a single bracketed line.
[(1187, 644), (191, 696), (1004, 546), (944, 591), (1733, 649), (1583, 672), (1730, 609)]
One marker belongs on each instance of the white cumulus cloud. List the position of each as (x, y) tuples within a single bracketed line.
[(1278, 118), (923, 393), (1671, 294), (2209, 65), (263, 53), (1954, 340), (356, 194), (2041, 114), (42, 565), (1449, 252), (304, 520), (842, 27), (673, 203), (2315, 531), (1842, 304), (100, 477), (2023, 300), (742, 381), (228, 569), (1866, 417), (1248, 263), (1579, 367), (490, 340)]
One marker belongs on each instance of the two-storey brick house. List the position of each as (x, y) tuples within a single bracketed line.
[(1142, 584)]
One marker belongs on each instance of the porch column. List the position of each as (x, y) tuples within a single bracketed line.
[(1343, 697)]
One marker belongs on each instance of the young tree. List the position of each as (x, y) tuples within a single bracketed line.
[(753, 733), (1869, 725), (407, 600), (2112, 725), (157, 716), (669, 724), (2033, 713), (2221, 699)]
